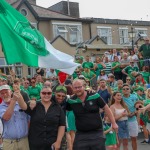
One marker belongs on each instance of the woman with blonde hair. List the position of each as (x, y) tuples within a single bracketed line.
[(120, 112)]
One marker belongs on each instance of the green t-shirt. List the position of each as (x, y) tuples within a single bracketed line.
[(146, 76), (88, 75), (130, 69), (89, 64), (115, 89), (99, 68), (145, 49), (118, 69), (110, 137)]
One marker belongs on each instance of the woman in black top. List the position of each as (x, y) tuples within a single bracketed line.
[(47, 125)]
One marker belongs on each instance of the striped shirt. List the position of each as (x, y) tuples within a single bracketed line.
[(108, 68)]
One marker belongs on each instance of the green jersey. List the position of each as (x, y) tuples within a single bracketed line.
[(117, 69)]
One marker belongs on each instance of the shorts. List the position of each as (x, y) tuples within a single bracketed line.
[(148, 126), (133, 128), (123, 131), (141, 122)]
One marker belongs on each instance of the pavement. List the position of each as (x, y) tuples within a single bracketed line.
[(140, 146)]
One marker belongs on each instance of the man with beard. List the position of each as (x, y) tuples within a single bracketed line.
[(89, 126), (14, 120)]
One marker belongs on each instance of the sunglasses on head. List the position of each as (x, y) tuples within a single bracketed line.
[(140, 106), (125, 89), (48, 93)]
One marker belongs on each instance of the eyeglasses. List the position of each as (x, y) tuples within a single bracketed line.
[(140, 106), (78, 87), (128, 79), (59, 95), (26, 83), (125, 89), (48, 93), (32, 82)]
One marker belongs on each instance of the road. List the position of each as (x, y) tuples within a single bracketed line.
[(140, 146)]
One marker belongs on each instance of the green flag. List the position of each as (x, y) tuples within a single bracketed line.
[(23, 44)]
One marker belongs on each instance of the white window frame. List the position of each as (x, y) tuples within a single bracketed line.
[(68, 29), (108, 36), (144, 34), (124, 39)]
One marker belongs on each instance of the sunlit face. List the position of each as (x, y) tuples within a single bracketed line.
[(26, 83), (78, 88), (126, 90), (6, 95), (118, 97), (46, 94), (102, 83), (33, 83), (60, 97), (87, 58), (139, 77), (120, 84), (39, 78)]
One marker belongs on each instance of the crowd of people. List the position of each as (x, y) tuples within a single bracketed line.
[(102, 105)]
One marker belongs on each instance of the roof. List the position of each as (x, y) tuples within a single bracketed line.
[(93, 38), (120, 22), (16, 3), (59, 36), (104, 46), (46, 13)]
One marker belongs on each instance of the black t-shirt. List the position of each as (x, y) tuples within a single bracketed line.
[(44, 125), (87, 116), (25, 96)]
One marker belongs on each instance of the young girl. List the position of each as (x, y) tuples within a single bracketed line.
[(111, 139), (102, 76)]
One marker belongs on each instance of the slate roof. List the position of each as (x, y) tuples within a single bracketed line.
[(46, 13), (120, 22), (59, 36)]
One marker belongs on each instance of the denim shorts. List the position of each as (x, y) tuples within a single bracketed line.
[(123, 131)]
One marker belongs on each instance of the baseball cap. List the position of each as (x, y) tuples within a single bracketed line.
[(61, 88), (139, 88), (4, 87), (81, 76)]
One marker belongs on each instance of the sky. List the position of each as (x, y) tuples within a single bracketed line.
[(112, 9)]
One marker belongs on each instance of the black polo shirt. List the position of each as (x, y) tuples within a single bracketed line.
[(87, 116), (44, 125)]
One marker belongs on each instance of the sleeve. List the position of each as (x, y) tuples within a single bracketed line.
[(126, 69), (101, 102), (68, 106), (2, 111), (141, 48), (62, 120), (29, 111)]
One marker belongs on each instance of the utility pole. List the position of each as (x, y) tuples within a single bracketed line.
[(68, 8)]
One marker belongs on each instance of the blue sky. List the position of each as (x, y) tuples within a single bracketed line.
[(113, 9)]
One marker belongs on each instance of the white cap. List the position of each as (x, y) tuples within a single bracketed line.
[(4, 87), (81, 76)]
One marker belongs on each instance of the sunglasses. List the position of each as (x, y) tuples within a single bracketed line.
[(125, 89), (139, 107), (63, 96), (128, 79), (48, 93)]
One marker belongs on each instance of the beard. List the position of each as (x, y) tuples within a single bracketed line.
[(6, 100)]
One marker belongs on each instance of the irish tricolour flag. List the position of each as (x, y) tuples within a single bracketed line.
[(23, 44)]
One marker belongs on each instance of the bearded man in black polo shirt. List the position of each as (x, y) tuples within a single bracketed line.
[(89, 135)]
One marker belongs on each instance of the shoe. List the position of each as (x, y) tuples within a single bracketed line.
[(144, 142)]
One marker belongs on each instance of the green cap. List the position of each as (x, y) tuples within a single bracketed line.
[(61, 88), (86, 66), (139, 88), (81, 57)]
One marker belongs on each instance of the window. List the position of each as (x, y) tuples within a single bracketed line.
[(123, 34), (61, 30), (75, 34), (105, 34), (31, 71), (69, 31), (141, 32), (6, 68), (24, 12)]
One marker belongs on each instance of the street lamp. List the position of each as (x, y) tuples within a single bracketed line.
[(132, 36)]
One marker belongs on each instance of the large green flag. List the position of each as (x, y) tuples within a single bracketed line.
[(23, 44)]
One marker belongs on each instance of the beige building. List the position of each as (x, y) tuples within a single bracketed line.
[(73, 35)]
